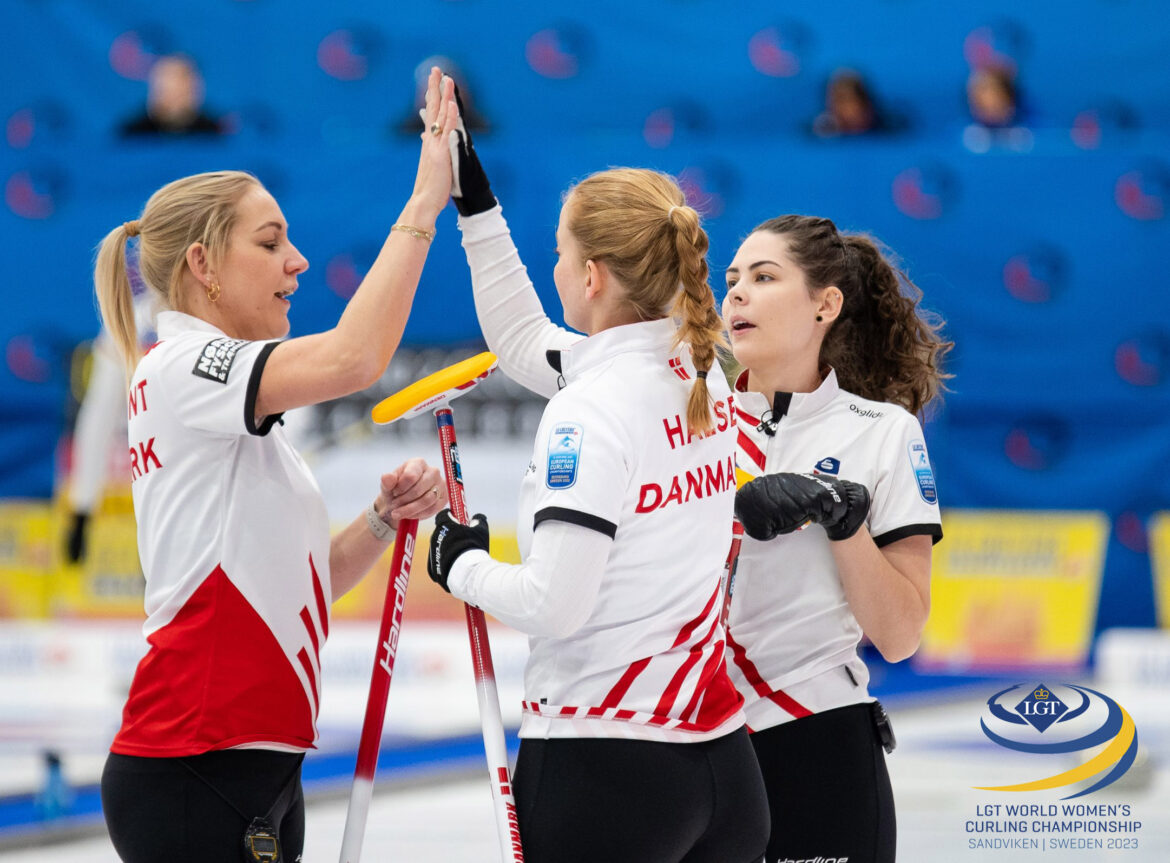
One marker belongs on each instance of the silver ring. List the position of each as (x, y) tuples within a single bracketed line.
[(436, 129), (435, 490)]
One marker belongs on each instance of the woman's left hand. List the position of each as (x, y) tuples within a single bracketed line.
[(414, 489)]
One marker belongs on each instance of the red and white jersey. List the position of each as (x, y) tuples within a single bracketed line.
[(234, 540), (613, 454), (792, 646)]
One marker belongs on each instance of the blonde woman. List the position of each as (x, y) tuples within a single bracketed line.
[(632, 743), (232, 530)]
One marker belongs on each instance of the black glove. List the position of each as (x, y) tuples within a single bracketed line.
[(449, 540), (469, 184), (76, 537), (779, 503)]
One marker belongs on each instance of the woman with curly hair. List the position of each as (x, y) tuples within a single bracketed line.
[(837, 361)]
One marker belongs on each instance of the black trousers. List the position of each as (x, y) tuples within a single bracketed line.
[(591, 799), (828, 788), (156, 809)]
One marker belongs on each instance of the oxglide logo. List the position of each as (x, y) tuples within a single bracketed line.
[(1095, 720)]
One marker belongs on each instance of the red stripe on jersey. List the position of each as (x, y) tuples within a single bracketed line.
[(713, 664), (214, 677), (322, 608), (307, 620), (685, 632), (624, 682), (721, 699), (777, 696), (750, 449), (303, 656), (625, 714), (694, 655), (667, 700), (746, 417)]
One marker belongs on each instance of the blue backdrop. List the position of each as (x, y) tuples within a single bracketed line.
[(1046, 252)]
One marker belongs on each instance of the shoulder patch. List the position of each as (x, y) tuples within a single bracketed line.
[(920, 464), (216, 358), (564, 454)]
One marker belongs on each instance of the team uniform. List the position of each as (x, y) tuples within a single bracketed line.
[(623, 526), (234, 541), (793, 639)]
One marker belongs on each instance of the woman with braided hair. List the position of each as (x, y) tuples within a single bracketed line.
[(837, 361), (632, 742)]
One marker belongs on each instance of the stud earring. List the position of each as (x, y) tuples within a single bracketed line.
[(819, 319)]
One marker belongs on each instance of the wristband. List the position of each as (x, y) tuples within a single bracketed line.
[(378, 528)]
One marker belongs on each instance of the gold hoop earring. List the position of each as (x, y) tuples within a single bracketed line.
[(213, 292)]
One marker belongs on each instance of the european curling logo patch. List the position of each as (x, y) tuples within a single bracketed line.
[(920, 463), (564, 452)]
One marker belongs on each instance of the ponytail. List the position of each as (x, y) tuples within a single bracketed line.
[(114, 294), (196, 209), (882, 345), (700, 326), (638, 223)]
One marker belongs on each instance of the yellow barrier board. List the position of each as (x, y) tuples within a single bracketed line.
[(26, 532), (37, 582), (1014, 589), (1160, 564)]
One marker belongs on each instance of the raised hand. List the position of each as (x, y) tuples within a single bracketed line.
[(780, 503), (469, 187), (432, 184)]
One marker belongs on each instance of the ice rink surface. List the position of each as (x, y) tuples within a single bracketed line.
[(941, 755), (444, 814)]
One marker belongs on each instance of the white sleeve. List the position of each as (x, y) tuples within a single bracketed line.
[(102, 407), (513, 321), (212, 382), (551, 594), (904, 497)]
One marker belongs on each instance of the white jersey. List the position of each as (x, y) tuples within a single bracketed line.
[(793, 638), (613, 456), (234, 542)]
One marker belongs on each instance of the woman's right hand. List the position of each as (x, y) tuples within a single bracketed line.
[(432, 183)]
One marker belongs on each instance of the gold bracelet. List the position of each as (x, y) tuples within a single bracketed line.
[(417, 233)]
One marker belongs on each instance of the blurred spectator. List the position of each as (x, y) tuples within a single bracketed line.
[(174, 102), (993, 101), (991, 97), (850, 109), (412, 124)]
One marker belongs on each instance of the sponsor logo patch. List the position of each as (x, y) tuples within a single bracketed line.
[(564, 453), (828, 465), (920, 464), (215, 361)]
